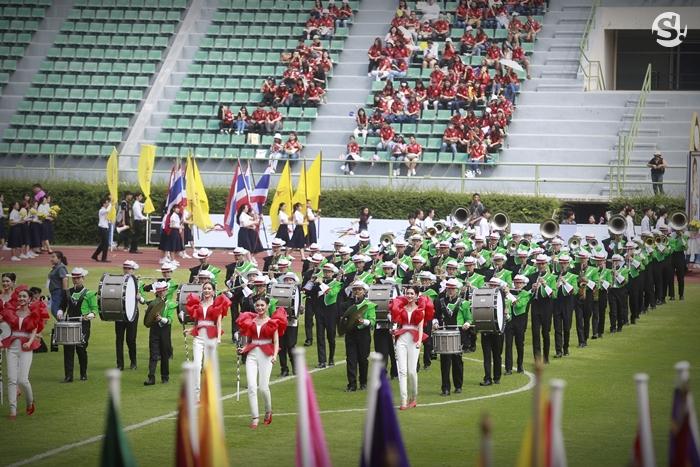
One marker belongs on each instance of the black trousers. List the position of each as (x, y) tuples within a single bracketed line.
[(310, 311), (657, 270), (492, 346), (515, 330), (633, 292), (287, 342), (69, 352), (617, 299), (103, 247), (679, 266), (599, 308), (584, 313), (129, 329), (125, 238), (384, 344), (325, 331), (453, 363), (357, 344), (138, 230), (562, 314), (648, 292), (541, 311), (159, 347), (427, 346), (667, 277)]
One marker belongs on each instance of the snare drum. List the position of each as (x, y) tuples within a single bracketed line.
[(68, 333), (116, 296), (287, 296), (487, 310), (447, 341), (380, 295), (183, 292)]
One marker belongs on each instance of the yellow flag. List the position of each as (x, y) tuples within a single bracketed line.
[(212, 442), (196, 196), (313, 182), (113, 183), (147, 161), (283, 194), (300, 193)]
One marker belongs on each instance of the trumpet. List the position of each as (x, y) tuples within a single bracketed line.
[(678, 220), (549, 229)]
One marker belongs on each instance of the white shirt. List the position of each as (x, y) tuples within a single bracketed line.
[(310, 214), (137, 211), (14, 216), (283, 217), (102, 216), (428, 223), (245, 220), (44, 209), (629, 231), (175, 221), (483, 228), (298, 218), (660, 222), (646, 224), (2, 211)]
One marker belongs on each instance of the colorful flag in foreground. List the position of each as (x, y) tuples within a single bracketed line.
[(186, 441), (283, 194), (382, 443), (113, 183), (147, 161), (197, 195), (116, 451), (176, 194), (258, 197), (212, 442), (237, 197), (643, 449), (684, 444), (311, 450), (313, 181)]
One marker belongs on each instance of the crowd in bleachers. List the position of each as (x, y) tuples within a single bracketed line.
[(476, 81)]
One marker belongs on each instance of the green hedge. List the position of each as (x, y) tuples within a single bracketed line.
[(79, 203)]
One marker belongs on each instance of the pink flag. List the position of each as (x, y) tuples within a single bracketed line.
[(312, 450)]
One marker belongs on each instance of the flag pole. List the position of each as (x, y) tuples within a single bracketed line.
[(306, 199), (536, 406), (486, 443), (645, 441), (262, 218), (113, 382), (188, 376), (376, 362), (556, 444), (318, 207), (303, 429)]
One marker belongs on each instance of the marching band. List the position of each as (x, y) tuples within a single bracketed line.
[(434, 289)]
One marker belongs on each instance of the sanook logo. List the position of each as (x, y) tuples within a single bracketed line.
[(666, 28)]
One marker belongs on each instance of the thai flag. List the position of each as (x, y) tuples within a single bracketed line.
[(177, 194), (684, 445), (259, 196), (237, 198)]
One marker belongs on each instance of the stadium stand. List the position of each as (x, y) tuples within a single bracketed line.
[(94, 78), (19, 20), (242, 48)]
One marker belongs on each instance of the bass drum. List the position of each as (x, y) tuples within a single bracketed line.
[(380, 294), (487, 310), (288, 296), (183, 292), (116, 295)]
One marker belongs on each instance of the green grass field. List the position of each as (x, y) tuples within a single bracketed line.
[(599, 401)]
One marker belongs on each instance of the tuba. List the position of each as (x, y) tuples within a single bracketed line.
[(500, 221), (440, 227), (617, 224), (678, 220), (574, 243), (549, 229), (387, 239), (460, 215)]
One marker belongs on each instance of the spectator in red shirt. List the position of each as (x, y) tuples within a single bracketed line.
[(242, 120), (226, 124), (448, 54), (267, 90), (520, 57), (317, 9), (314, 95), (425, 32), (292, 147), (432, 96), (345, 14), (273, 120), (481, 42), (494, 141), (298, 93), (399, 69), (493, 55), (376, 122), (420, 92), (474, 16), (352, 154), (386, 140), (464, 97), (326, 25), (449, 139), (362, 122), (477, 155), (447, 95), (414, 151), (312, 27), (412, 112), (512, 86), (441, 28), (383, 69), (467, 42), (374, 54), (396, 111), (258, 119), (398, 153), (532, 27), (461, 14), (282, 95)]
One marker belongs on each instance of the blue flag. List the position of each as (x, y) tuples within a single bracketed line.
[(385, 443)]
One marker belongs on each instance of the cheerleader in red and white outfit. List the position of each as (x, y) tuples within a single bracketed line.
[(409, 311), (26, 320), (207, 312), (264, 333)]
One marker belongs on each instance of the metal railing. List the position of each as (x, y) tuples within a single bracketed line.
[(626, 142), (591, 69), (534, 179)]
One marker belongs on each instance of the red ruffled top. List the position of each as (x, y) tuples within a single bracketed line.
[(38, 314), (247, 327), (424, 312), (218, 308)]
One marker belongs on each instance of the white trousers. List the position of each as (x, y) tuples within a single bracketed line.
[(407, 363), (18, 364), (198, 344), (258, 367)]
